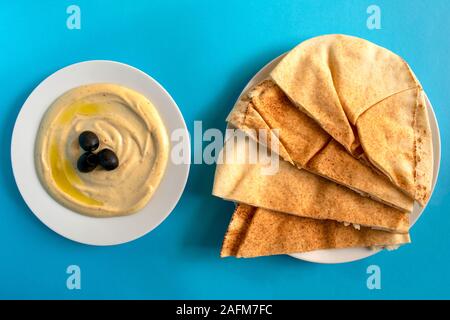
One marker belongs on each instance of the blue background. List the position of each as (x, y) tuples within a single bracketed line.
[(204, 52)]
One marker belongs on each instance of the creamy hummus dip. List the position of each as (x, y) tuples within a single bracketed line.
[(125, 122)]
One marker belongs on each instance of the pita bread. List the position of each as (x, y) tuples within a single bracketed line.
[(335, 78), (396, 137), (257, 232), (303, 143), (424, 159), (265, 106), (296, 191), (339, 79)]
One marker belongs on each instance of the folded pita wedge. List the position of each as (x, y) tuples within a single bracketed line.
[(257, 232), (396, 138), (265, 106), (337, 79), (296, 191), (302, 142)]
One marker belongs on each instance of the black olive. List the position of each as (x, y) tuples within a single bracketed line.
[(108, 159), (88, 141), (87, 162)]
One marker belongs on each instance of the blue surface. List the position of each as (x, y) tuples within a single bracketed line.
[(204, 52)]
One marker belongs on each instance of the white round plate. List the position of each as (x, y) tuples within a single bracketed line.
[(74, 226), (353, 254)]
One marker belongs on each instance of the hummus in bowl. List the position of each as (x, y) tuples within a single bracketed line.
[(124, 121)]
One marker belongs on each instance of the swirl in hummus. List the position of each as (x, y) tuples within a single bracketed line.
[(125, 121)]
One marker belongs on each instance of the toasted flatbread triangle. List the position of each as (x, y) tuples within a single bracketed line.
[(257, 232), (305, 144), (335, 78), (396, 137), (280, 186), (265, 106)]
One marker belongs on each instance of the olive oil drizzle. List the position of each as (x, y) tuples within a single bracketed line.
[(62, 170)]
